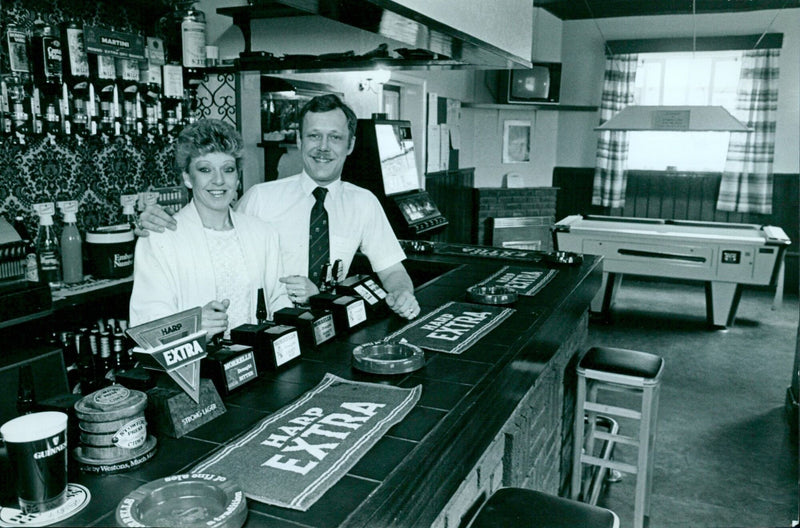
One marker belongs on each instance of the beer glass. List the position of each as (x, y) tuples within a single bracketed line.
[(37, 450)]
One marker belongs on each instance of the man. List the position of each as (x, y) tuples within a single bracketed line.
[(354, 215)]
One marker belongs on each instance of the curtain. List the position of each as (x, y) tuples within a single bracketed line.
[(612, 146), (746, 185)]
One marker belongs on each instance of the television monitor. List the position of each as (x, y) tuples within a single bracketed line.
[(396, 156), (541, 84)]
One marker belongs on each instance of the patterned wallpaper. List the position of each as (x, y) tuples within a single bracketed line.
[(97, 170)]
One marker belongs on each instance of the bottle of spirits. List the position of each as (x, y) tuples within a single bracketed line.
[(17, 123), (76, 76), (17, 75), (151, 85), (128, 88), (102, 75), (47, 62), (185, 41)]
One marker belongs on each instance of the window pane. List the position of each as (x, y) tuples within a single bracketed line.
[(684, 78), (686, 151)]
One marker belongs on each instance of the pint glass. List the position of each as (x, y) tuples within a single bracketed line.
[(37, 450)]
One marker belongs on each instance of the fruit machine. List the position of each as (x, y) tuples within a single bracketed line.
[(383, 161)]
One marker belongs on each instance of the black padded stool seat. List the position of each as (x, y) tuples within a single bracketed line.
[(622, 361), (524, 508)]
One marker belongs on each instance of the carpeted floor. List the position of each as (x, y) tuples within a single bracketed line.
[(723, 454)]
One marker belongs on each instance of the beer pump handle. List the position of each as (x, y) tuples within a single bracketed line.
[(261, 307), (325, 278), (338, 272)]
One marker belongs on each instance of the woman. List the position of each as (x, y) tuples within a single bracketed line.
[(217, 258)]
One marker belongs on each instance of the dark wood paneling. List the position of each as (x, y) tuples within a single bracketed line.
[(451, 191), (574, 191)]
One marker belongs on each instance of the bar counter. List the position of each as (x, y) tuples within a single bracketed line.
[(488, 417)]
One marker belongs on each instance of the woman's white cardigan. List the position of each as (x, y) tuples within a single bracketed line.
[(172, 270)]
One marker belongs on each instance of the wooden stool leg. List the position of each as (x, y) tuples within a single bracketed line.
[(641, 498), (591, 396), (577, 440), (652, 442)]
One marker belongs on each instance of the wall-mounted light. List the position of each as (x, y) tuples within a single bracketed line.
[(374, 81)]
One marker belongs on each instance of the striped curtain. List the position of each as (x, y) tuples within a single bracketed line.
[(612, 146), (746, 185)]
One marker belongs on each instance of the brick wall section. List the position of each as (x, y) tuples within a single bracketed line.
[(502, 202), (529, 451)]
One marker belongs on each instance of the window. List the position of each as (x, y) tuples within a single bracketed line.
[(699, 78), (391, 101)]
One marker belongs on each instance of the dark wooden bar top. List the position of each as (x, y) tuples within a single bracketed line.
[(413, 473)]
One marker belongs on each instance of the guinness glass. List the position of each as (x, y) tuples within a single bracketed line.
[(37, 449)]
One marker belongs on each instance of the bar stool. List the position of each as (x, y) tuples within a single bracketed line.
[(525, 508), (617, 370)]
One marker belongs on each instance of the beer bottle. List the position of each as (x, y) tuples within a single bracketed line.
[(31, 266), (70, 352), (120, 355), (106, 374), (86, 366), (26, 401)]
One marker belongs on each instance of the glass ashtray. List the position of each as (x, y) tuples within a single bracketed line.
[(491, 295), (388, 358)]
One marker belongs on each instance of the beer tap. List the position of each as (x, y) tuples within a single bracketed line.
[(325, 278), (337, 273)]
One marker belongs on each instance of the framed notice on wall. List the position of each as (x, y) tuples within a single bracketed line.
[(516, 141)]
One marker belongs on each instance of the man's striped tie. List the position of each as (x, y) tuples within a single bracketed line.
[(318, 241)]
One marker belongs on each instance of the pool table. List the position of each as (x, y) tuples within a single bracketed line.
[(724, 256)]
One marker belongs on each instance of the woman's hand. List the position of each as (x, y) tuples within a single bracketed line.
[(299, 288), (154, 218), (215, 317)]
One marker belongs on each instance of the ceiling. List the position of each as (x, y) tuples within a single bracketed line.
[(582, 9)]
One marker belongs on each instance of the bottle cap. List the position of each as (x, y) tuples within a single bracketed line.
[(46, 220), (70, 218)]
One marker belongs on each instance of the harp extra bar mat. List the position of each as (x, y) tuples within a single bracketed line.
[(524, 281), (294, 455), (451, 328)]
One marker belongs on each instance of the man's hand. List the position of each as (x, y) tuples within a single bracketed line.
[(299, 288), (215, 317), (400, 297), (403, 303), (154, 218)]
